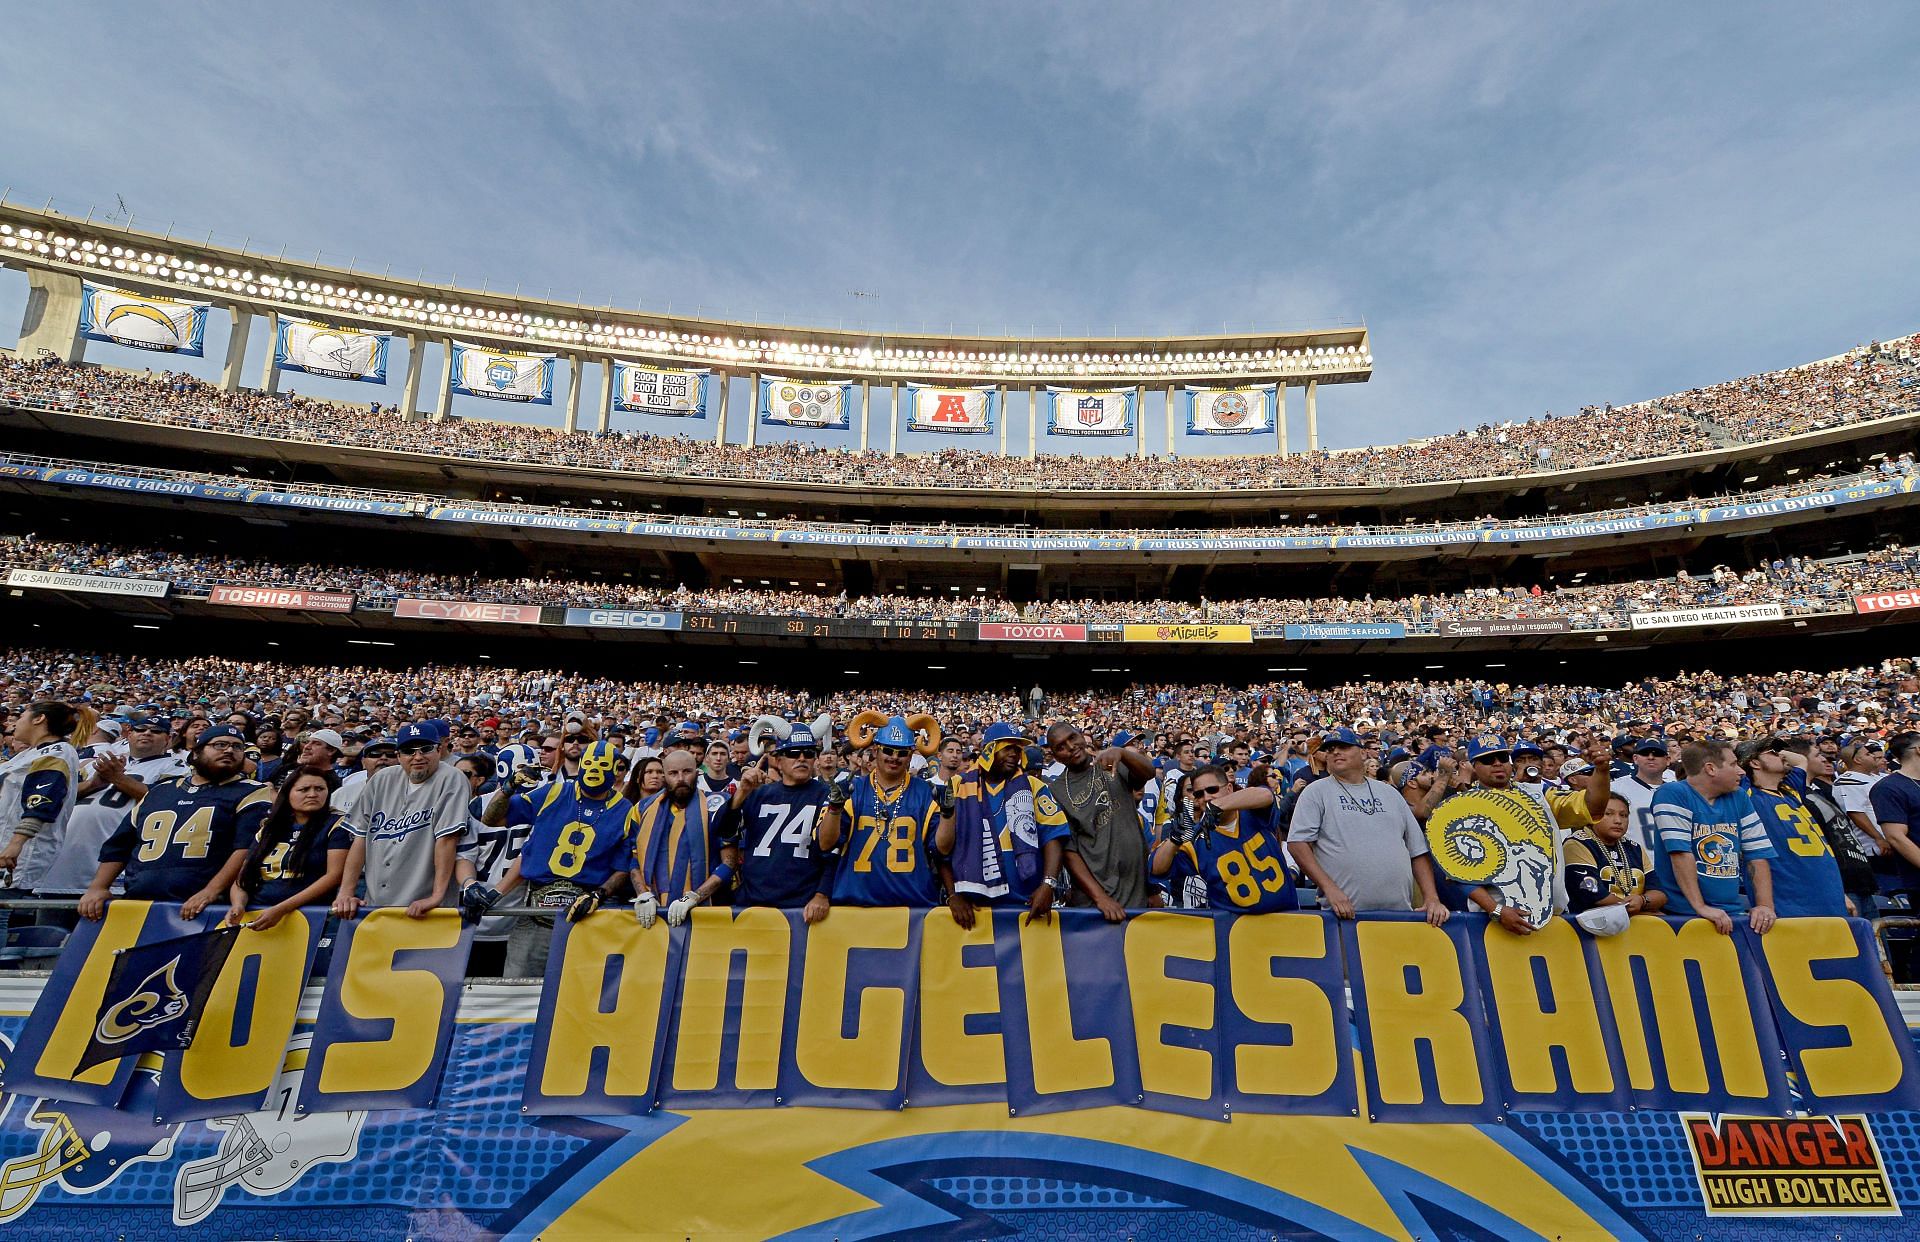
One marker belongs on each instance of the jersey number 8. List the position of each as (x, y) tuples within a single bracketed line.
[(570, 851), (899, 836)]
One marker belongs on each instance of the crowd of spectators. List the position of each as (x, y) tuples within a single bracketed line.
[(1800, 584), (1874, 381)]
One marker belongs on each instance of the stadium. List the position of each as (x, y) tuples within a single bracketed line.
[(473, 764)]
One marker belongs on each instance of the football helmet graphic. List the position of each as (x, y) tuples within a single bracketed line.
[(265, 1152), (84, 1147)]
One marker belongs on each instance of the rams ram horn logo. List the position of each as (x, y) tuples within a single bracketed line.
[(157, 1000)]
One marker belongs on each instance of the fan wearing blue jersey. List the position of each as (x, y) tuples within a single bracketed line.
[(1009, 833), (188, 838), (573, 858), (1806, 875), (1233, 844), (1709, 835), (895, 828), (772, 822), (672, 847)]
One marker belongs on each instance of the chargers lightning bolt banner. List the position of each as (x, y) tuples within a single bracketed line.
[(667, 391), (1178, 1074), (142, 321), (503, 374), (1073, 412), (805, 403), (330, 350), (1230, 411), (956, 411)]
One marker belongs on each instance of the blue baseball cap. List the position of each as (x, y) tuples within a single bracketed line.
[(1624, 741), (419, 732), (1487, 745), (1524, 747), (1341, 736), (1651, 746)]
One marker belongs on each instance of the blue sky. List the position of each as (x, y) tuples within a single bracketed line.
[(1533, 207)]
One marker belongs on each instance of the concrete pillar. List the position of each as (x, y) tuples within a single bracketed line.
[(1139, 420), (604, 421), (893, 423), (1033, 420), (410, 387), (443, 400), (866, 410), (1313, 416), (1001, 394), (726, 391), (270, 371), (573, 394), (1280, 416), (52, 321), (237, 347), (753, 417), (1170, 415)]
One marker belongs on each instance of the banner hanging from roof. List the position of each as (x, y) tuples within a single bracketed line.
[(325, 349), (142, 321), (805, 403), (1074, 412), (953, 411), (667, 391), (502, 374), (1230, 411)]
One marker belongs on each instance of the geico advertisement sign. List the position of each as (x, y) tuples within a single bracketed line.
[(1887, 601), (623, 619)]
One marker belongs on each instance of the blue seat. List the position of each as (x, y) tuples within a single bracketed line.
[(26, 944)]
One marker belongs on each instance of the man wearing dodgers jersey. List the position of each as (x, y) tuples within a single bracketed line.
[(406, 829)]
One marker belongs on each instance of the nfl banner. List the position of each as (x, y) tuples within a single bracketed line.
[(141, 321), (502, 374), (155, 995), (805, 403), (1230, 411), (955, 411), (1071, 412), (641, 389), (325, 349)]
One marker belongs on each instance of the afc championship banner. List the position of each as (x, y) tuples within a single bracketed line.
[(326, 349), (503, 374), (1107, 412), (142, 321), (1230, 411), (1252, 1056), (667, 391), (952, 411), (806, 403)]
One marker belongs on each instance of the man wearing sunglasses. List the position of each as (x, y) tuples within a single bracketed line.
[(1231, 843), (771, 821), (406, 829), (893, 827), (110, 784)]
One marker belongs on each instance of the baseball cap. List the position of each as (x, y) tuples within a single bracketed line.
[(424, 732), (1748, 751), (799, 738), (1625, 741), (1524, 747), (1342, 736), (214, 731), (108, 725), (328, 737), (1577, 767), (1487, 745), (1651, 746)]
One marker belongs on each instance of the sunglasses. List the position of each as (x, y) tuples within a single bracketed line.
[(148, 728), (1209, 791), (895, 752), (547, 750), (417, 748), (806, 752)]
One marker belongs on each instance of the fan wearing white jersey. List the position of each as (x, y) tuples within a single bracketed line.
[(110, 783)]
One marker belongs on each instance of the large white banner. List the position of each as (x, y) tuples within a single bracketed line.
[(956, 411), (142, 321), (91, 584), (502, 374), (1074, 412), (642, 389), (805, 403), (1733, 614), (326, 349), (1230, 411)]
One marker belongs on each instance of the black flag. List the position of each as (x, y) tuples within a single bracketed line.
[(155, 995)]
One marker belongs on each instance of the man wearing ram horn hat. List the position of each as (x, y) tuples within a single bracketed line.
[(771, 820), (895, 829)]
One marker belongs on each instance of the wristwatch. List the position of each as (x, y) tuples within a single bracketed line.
[(1498, 907)]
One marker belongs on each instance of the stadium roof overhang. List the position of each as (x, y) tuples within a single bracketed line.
[(179, 267)]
